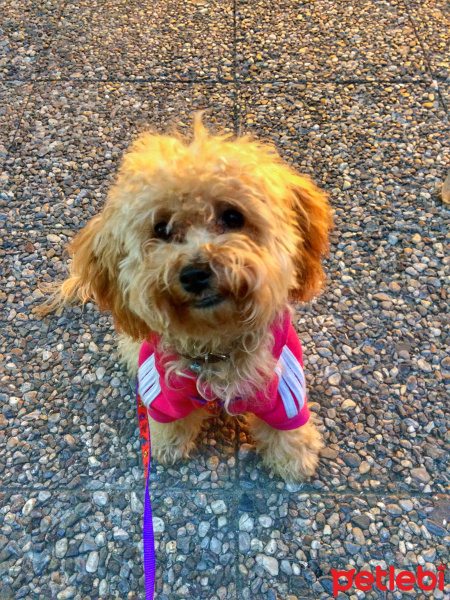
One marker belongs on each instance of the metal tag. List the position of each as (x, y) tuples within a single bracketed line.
[(195, 367)]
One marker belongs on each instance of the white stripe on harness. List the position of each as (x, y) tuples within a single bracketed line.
[(291, 382), (148, 378)]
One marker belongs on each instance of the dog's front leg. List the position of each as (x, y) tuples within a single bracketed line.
[(174, 441), (293, 454)]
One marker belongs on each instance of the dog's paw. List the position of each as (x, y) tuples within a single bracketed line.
[(172, 442), (292, 455), (169, 454), (297, 459)]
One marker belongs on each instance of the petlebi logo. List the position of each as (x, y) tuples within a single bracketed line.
[(388, 580)]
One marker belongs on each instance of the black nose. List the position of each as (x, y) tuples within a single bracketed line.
[(195, 279)]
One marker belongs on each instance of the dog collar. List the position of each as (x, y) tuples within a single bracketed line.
[(197, 364)]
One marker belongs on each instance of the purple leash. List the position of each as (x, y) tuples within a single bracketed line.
[(148, 538), (149, 542)]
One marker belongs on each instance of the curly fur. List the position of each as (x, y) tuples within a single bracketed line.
[(276, 257)]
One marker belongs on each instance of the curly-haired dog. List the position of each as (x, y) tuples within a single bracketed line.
[(198, 252)]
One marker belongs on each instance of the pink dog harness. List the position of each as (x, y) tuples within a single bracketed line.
[(281, 404)]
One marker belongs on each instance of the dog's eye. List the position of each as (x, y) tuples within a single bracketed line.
[(233, 219), (162, 231)]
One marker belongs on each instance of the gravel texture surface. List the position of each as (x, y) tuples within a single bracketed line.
[(357, 96), (13, 98), (135, 39), (431, 19), (445, 94), (289, 541), (26, 32), (328, 39)]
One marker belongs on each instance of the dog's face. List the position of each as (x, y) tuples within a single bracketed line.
[(202, 240)]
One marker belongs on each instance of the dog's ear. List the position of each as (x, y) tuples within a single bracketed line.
[(313, 221), (90, 277), (94, 272)]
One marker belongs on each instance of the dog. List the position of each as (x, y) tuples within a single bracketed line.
[(199, 252)]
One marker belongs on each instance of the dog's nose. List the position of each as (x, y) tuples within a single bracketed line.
[(195, 279)]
